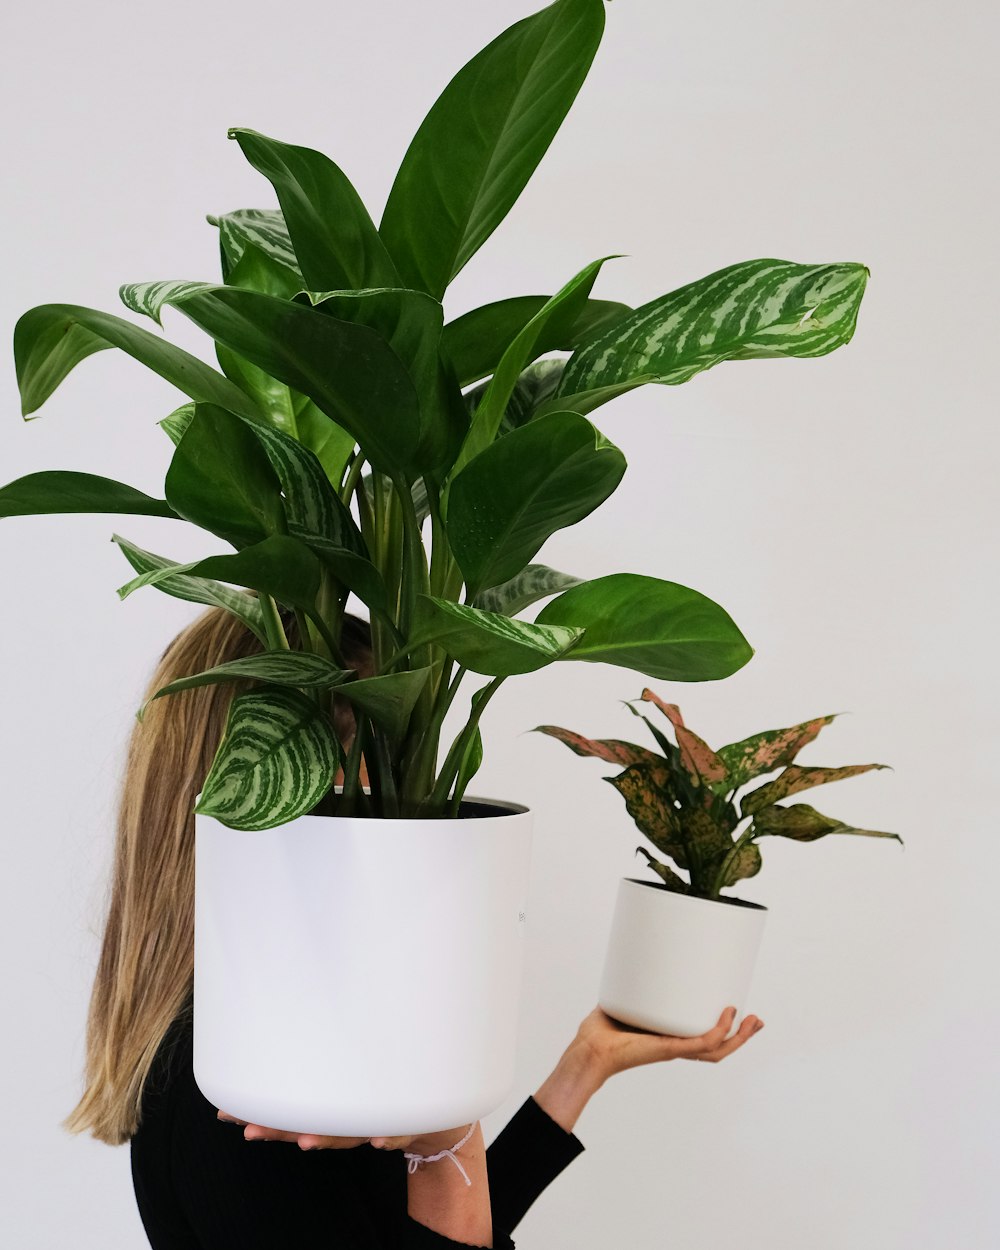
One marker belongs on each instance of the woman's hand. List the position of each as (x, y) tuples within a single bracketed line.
[(615, 1047), (422, 1143), (603, 1047)]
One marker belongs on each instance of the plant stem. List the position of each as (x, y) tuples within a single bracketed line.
[(353, 475), (453, 761), (276, 639)]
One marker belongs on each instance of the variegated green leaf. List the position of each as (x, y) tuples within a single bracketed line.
[(803, 823), (334, 239), (611, 750), (669, 878), (50, 340), (483, 138), (280, 566), (795, 779), (755, 309), (389, 698), (487, 642), (176, 582), (64, 490), (277, 759), (701, 762), (177, 422), (302, 669), (312, 506), (263, 228), (764, 752), (534, 582)]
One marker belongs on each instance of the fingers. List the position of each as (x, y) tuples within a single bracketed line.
[(749, 1026), (695, 1047)]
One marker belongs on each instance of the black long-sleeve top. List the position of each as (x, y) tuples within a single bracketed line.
[(200, 1185)]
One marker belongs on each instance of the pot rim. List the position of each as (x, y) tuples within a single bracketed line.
[(689, 898), (503, 807)]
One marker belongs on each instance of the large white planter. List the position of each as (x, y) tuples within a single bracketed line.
[(674, 963), (360, 977)]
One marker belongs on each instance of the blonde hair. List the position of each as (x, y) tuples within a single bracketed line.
[(145, 971)]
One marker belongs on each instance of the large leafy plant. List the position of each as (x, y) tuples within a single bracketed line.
[(688, 801), (347, 416)]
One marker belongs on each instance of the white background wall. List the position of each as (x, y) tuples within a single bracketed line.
[(843, 510)]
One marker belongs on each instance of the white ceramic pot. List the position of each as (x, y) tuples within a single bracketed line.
[(674, 963), (360, 977)]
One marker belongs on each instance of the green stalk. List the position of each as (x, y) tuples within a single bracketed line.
[(276, 639), (353, 476), (453, 761)]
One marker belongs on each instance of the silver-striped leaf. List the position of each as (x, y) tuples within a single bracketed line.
[(176, 423), (487, 642), (263, 228), (758, 308), (277, 759), (244, 606), (534, 582), (301, 669)]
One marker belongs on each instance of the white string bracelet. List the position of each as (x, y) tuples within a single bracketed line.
[(416, 1160)]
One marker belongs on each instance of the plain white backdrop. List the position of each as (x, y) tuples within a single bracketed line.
[(843, 510)]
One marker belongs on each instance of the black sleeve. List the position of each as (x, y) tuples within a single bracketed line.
[(526, 1156), (200, 1185)]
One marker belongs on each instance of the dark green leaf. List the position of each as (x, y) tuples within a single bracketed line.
[(348, 370), (388, 699), (482, 140), (63, 490), (475, 343), (522, 488), (51, 339), (334, 239), (655, 627), (221, 479)]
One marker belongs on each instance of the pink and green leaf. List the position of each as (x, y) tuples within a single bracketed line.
[(803, 823), (611, 750), (796, 778), (746, 863), (764, 752), (703, 764), (649, 797)]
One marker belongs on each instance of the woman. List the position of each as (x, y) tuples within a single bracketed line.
[(199, 1183)]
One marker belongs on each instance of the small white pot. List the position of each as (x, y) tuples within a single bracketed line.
[(360, 977), (674, 963)]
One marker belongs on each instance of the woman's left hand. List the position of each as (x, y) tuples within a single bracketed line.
[(615, 1047)]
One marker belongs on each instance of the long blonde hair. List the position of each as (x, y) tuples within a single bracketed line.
[(145, 972)]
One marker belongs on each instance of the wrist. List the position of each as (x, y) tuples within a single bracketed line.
[(577, 1076)]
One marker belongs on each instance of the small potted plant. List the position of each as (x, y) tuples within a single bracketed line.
[(680, 951), (354, 441)]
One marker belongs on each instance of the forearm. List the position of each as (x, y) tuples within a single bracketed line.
[(439, 1197), (573, 1082)]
